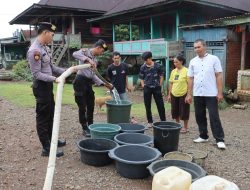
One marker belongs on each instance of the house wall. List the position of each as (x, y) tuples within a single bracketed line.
[(233, 63), (16, 52), (208, 34), (216, 45), (214, 38), (81, 26), (247, 59)]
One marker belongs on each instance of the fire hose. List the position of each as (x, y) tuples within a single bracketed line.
[(56, 123)]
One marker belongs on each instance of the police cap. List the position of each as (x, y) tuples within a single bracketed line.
[(46, 26), (101, 43), (146, 55)]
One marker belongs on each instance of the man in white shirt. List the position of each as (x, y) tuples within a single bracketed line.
[(205, 81)]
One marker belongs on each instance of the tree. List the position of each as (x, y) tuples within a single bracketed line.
[(122, 32)]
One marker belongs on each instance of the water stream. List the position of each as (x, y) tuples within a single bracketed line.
[(116, 96)]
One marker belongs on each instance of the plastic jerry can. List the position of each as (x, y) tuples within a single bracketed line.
[(212, 182), (171, 178)]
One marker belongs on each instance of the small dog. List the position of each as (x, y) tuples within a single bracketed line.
[(131, 88), (99, 102), (107, 92)]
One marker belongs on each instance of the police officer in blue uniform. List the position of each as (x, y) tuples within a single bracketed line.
[(40, 62), (85, 78)]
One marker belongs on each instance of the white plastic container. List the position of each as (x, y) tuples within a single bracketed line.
[(212, 182), (172, 178)]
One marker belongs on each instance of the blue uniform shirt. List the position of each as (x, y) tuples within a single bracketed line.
[(40, 61), (82, 55)]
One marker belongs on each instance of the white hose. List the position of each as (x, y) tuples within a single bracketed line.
[(56, 123)]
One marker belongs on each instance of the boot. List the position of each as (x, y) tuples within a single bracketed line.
[(86, 131), (61, 143), (45, 152)]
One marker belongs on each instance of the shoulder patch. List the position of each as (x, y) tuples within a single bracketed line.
[(37, 55)]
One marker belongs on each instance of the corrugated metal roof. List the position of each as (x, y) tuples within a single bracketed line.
[(86, 6), (98, 5), (236, 4), (232, 20), (231, 17), (28, 34), (119, 7), (223, 21), (129, 5)]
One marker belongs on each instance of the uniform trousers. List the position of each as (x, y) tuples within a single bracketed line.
[(45, 105), (85, 99)]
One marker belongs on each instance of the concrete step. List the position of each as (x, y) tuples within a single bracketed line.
[(5, 75)]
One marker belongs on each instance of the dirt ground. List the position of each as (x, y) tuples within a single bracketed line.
[(22, 167)]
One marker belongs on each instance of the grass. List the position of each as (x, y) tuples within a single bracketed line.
[(138, 109), (20, 93), (68, 93)]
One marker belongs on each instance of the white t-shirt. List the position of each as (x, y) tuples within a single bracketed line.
[(203, 70)]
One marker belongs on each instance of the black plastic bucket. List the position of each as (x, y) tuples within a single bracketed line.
[(166, 136), (132, 160), (118, 112), (132, 128), (94, 152), (133, 138), (195, 170)]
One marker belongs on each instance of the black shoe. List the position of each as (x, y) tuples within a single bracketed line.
[(85, 131), (45, 152), (61, 143)]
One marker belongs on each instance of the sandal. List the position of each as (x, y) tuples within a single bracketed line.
[(184, 130), (133, 120), (150, 125)]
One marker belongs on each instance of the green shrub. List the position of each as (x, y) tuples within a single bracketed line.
[(21, 71), (223, 105), (104, 60)]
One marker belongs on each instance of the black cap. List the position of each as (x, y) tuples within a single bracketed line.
[(146, 55), (101, 43), (46, 26)]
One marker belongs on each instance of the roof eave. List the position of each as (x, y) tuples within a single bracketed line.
[(157, 4), (22, 13), (216, 5), (230, 21), (102, 17), (196, 26), (8, 38), (128, 11), (51, 7)]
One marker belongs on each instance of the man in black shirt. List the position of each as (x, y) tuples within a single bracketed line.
[(151, 76), (117, 74)]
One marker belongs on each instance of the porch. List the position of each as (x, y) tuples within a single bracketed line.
[(160, 48)]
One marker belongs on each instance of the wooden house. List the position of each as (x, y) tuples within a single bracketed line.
[(14, 48), (73, 31), (237, 59), (229, 39), (158, 26)]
